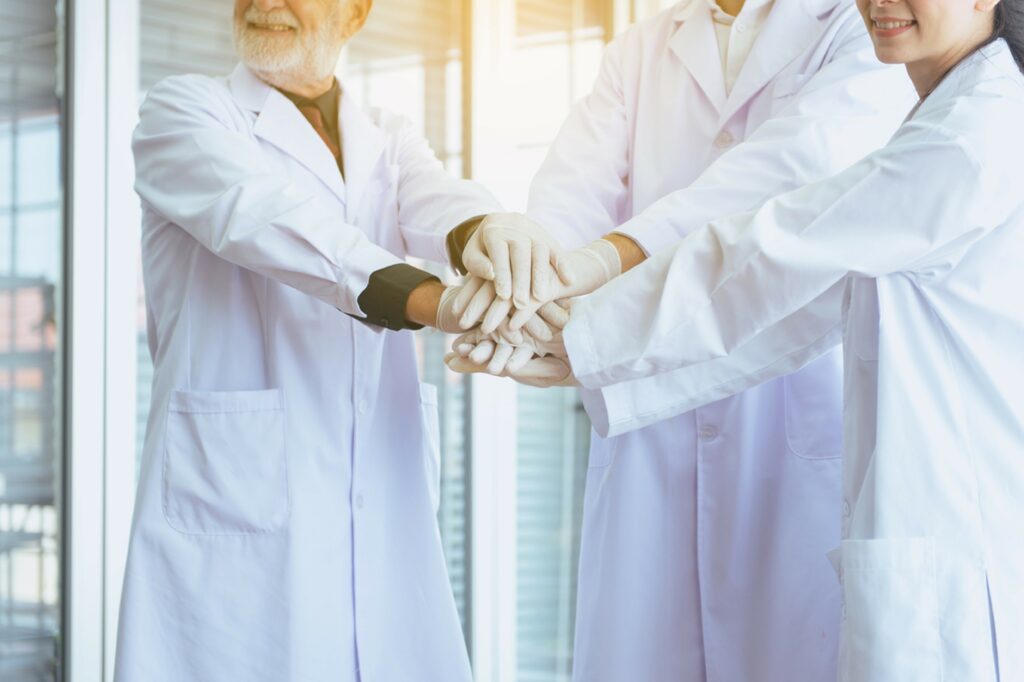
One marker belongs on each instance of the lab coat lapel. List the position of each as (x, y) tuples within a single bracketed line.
[(788, 30), (696, 45), (362, 144), (281, 124)]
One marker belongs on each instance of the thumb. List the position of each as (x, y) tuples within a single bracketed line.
[(478, 264), (565, 269)]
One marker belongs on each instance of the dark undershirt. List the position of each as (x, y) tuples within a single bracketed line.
[(328, 104)]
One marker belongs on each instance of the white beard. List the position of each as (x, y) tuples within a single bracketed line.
[(294, 56)]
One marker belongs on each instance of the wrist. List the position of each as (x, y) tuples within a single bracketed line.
[(630, 253), (423, 302)]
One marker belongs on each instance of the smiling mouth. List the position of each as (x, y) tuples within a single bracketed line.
[(891, 25), (272, 28)]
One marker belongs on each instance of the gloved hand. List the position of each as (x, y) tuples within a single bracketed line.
[(455, 315), (501, 352), (588, 269), (478, 304), (448, 319), (547, 372), (498, 354), (515, 253)]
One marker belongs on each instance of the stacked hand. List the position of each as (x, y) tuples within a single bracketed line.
[(532, 362), (516, 300)]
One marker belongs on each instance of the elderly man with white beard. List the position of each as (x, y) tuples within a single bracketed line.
[(285, 525)]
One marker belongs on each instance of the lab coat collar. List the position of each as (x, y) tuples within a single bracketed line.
[(362, 143), (696, 45), (790, 27), (281, 124)]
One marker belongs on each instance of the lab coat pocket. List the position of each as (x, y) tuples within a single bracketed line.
[(814, 409), (432, 442), (225, 468), (891, 610)]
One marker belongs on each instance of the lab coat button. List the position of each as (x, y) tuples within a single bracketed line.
[(846, 509), (708, 433), (359, 501), (724, 140), (364, 406)]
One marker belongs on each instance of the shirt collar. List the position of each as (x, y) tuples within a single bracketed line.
[(750, 7)]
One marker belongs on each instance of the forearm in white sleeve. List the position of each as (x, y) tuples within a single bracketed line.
[(735, 278), (214, 182)]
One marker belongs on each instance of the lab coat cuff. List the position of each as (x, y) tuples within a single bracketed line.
[(649, 235), (596, 405), (580, 347), (386, 296), (456, 240)]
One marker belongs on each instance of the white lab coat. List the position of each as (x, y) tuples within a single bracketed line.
[(691, 567), (285, 523), (915, 254)]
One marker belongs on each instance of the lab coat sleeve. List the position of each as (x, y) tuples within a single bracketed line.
[(580, 192), (913, 207), (839, 114), (778, 350), (197, 169), (432, 202)]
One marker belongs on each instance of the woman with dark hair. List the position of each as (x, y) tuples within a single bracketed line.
[(915, 258)]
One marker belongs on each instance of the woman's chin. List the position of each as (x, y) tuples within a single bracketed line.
[(890, 56)]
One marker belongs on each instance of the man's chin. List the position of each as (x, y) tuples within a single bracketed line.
[(267, 62)]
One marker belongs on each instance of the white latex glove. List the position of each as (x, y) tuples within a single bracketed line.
[(515, 253), (588, 269), (485, 347), (451, 320), (547, 372), (477, 304), (447, 317), (498, 354)]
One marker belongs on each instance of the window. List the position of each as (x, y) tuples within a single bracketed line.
[(558, 49), (31, 396)]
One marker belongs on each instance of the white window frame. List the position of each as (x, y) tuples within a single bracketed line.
[(101, 246)]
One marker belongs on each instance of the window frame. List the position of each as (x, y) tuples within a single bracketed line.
[(101, 230)]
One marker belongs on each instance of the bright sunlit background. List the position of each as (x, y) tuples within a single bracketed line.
[(489, 82)]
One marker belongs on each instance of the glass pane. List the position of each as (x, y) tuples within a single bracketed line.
[(31, 229), (557, 56), (553, 437), (547, 16)]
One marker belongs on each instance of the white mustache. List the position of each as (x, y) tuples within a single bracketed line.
[(281, 16)]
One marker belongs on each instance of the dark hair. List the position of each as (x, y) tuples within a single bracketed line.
[(1009, 25)]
